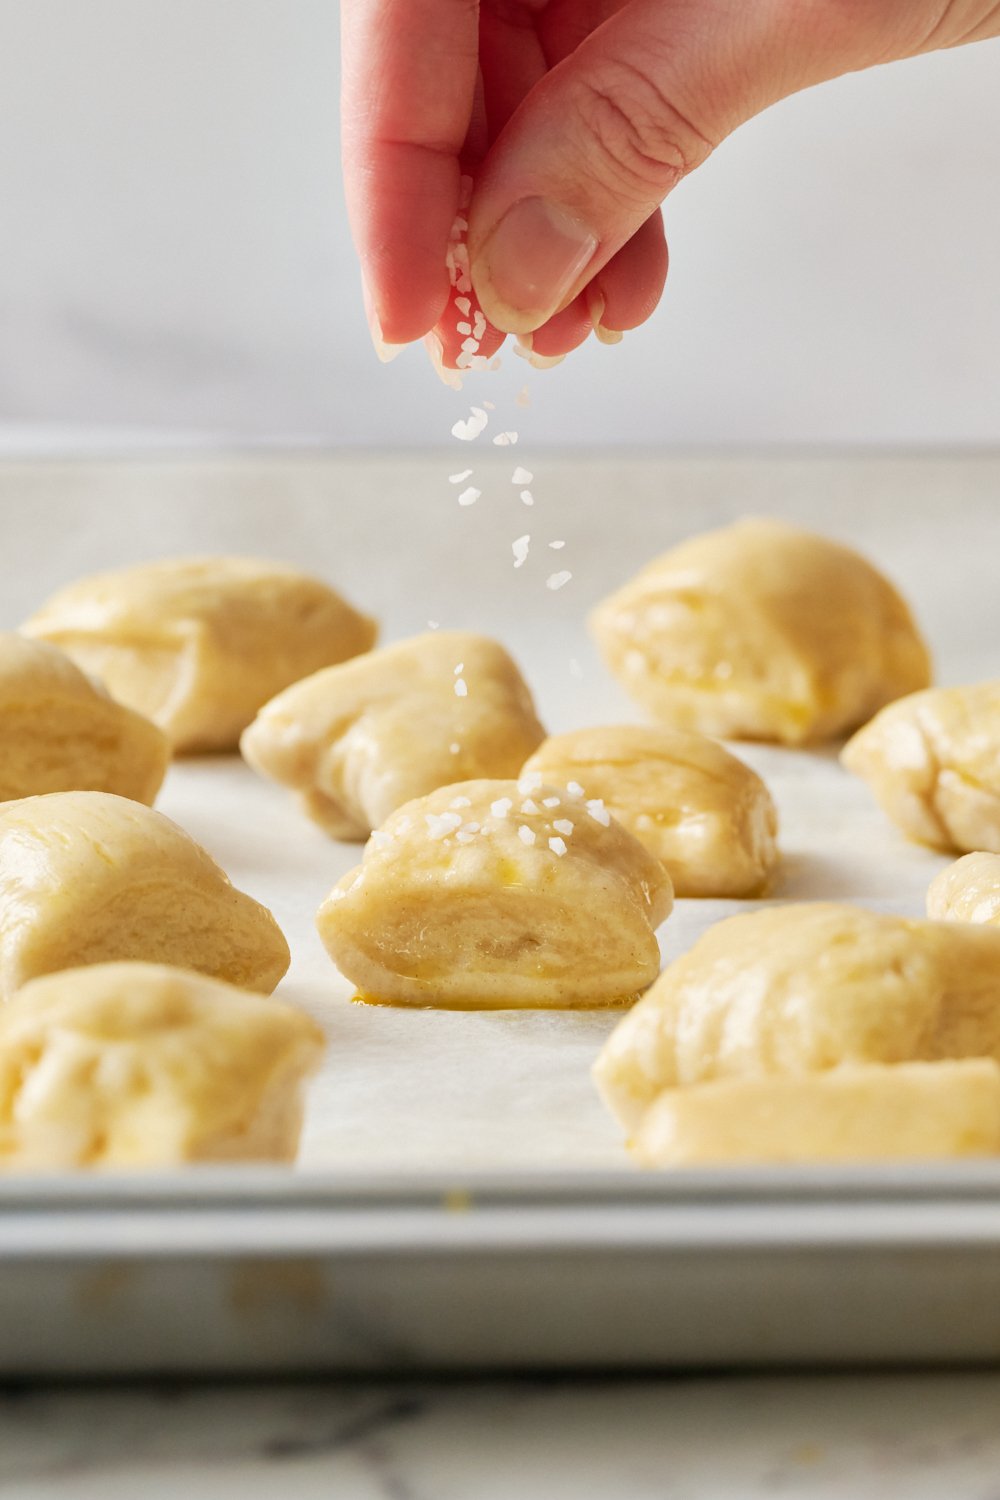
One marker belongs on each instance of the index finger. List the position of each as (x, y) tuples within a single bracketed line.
[(409, 76)]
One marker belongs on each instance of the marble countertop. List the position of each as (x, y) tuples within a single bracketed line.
[(914, 1436)]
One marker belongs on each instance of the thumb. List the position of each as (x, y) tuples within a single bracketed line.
[(601, 140)]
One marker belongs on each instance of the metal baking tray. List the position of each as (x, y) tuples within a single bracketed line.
[(463, 1200)]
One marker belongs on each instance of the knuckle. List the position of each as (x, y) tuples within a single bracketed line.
[(643, 143)]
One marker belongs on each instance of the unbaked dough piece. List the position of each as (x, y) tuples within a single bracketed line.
[(933, 763), (142, 1065), (199, 644), (705, 814), (482, 896), (60, 732), (359, 740), (761, 631), (967, 891), (87, 877), (916, 1111), (799, 989)]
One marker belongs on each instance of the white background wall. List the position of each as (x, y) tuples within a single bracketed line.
[(174, 256)]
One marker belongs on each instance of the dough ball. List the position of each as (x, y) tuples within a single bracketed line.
[(86, 878), (967, 891), (199, 644), (800, 989), (865, 1113), (933, 762), (141, 1065), (762, 632), (60, 732), (706, 815), (359, 740), (493, 894)]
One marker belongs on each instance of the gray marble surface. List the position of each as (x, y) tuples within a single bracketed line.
[(915, 1437)]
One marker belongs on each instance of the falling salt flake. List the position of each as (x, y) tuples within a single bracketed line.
[(439, 825), (575, 788), (520, 476), (505, 439), (463, 328), (529, 782), (558, 846), (551, 801), (495, 363), (501, 807), (523, 397), (454, 748), (460, 669), (460, 477), (490, 405), (461, 688), (525, 834), (575, 669), (557, 546), (558, 580), (528, 806), (562, 825), (460, 802), (467, 431), (520, 550), (470, 496), (433, 624), (464, 306), (527, 498), (599, 812)]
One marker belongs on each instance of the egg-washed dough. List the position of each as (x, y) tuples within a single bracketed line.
[(454, 906), (933, 763), (87, 877), (761, 631), (871, 1112), (141, 1065), (799, 989), (967, 891), (60, 732), (705, 814), (199, 644), (359, 740)]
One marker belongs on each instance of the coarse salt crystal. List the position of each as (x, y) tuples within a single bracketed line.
[(551, 801), (469, 346), (528, 806), (380, 839), (463, 304), (558, 846), (460, 669), (527, 497), (495, 363), (558, 580), (599, 812), (440, 825), (470, 496), (478, 326), (460, 477), (529, 782), (575, 788), (454, 748), (469, 429), (526, 834), (463, 328), (460, 802), (521, 476), (519, 547), (557, 546), (464, 838), (562, 825), (433, 624), (490, 405), (470, 827), (461, 688), (505, 439), (523, 397), (501, 807)]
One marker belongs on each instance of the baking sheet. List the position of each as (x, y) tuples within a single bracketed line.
[(463, 1092)]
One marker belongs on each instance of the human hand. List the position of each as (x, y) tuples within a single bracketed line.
[(575, 118)]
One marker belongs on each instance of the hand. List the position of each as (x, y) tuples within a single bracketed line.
[(575, 119)]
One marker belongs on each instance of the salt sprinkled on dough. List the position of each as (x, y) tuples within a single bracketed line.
[(464, 802), (461, 688), (459, 478), (527, 497), (599, 812), (454, 748), (575, 788), (557, 580), (440, 825), (529, 782), (558, 846), (469, 496), (380, 839), (505, 439), (562, 825), (528, 806), (464, 838), (501, 807), (520, 550), (526, 834), (520, 476), (551, 801)]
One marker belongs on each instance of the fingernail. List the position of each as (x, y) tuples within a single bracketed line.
[(524, 349), (530, 262), (595, 307), (386, 352)]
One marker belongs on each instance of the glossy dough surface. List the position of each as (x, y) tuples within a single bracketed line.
[(482, 896), (933, 763), (967, 891), (359, 740), (87, 877), (128, 1065), (59, 731), (199, 644), (762, 631), (705, 814), (800, 989), (869, 1112)]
